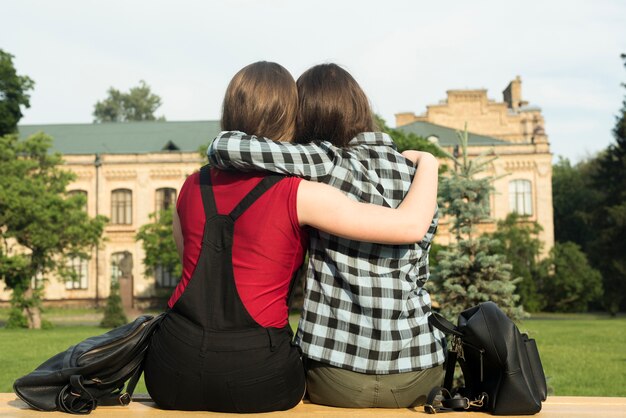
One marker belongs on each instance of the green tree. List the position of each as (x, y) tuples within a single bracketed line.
[(608, 238), (471, 270), (518, 241), (139, 104), (41, 226), (158, 244), (409, 141), (114, 315), (13, 94), (574, 200), (571, 283)]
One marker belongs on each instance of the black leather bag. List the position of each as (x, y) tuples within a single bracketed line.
[(92, 372), (501, 367)]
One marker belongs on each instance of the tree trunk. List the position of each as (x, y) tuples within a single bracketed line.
[(33, 315)]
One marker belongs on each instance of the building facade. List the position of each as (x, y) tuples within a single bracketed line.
[(128, 171), (511, 130)]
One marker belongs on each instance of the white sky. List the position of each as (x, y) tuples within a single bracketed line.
[(405, 54)]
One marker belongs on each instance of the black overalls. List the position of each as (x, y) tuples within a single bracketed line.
[(209, 354)]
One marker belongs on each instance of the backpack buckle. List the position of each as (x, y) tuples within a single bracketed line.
[(124, 399)]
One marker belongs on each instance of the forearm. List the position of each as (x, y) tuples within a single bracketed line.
[(326, 208), (421, 200), (236, 150)]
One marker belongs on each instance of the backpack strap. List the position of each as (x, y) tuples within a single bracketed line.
[(443, 325), (74, 398), (448, 328), (451, 403)]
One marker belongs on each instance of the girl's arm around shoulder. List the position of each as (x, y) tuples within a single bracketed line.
[(240, 151), (328, 209)]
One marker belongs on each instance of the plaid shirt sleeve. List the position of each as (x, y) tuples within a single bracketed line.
[(237, 150)]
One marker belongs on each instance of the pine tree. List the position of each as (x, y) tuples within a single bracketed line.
[(114, 315), (608, 242), (471, 270)]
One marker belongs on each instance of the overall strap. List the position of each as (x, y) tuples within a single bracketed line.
[(263, 186), (206, 190), (208, 198)]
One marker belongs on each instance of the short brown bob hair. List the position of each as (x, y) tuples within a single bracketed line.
[(332, 106), (261, 100)]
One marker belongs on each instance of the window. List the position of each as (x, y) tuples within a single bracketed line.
[(73, 193), (117, 265), (81, 271), (122, 207), (520, 197), (164, 278), (165, 198), (116, 272)]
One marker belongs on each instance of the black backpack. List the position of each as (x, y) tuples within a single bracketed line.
[(501, 366), (92, 372)]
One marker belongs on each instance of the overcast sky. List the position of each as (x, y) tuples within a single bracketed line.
[(405, 54)]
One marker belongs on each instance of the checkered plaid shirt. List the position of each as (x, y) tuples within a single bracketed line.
[(365, 308)]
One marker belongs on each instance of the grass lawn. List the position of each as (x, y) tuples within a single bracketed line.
[(581, 354)]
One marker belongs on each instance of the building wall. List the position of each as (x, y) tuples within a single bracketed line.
[(532, 162), (527, 157), (511, 120), (143, 174)]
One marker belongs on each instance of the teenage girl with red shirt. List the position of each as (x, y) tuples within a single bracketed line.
[(225, 344)]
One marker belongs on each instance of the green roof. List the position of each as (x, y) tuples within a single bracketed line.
[(447, 137), (159, 136), (127, 137)]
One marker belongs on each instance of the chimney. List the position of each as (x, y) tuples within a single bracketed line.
[(513, 94)]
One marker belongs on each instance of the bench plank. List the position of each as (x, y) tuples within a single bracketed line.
[(554, 407)]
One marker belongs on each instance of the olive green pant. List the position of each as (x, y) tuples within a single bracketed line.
[(332, 386)]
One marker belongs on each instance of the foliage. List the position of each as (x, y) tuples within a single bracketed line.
[(574, 199), (13, 94), (409, 141), (518, 241), (114, 315), (158, 244), (608, 247), (41, 227), (571, 283), (471, 270), (139, 104)]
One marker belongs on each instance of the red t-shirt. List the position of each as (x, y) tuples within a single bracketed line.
[(268, 242)]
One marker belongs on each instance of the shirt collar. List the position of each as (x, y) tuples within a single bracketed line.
[(372, 138)]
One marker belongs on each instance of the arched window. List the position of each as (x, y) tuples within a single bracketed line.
[(165, 198), (520, 197), (122, 207), (121, 265), (81, 273), (72, 193)]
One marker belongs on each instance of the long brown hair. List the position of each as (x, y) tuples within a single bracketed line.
[(332, 106), (261, 100)]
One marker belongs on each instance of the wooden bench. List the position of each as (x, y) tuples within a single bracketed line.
[(554, 407)]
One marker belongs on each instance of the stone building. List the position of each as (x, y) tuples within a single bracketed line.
[(514, 131), (127, 171)]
